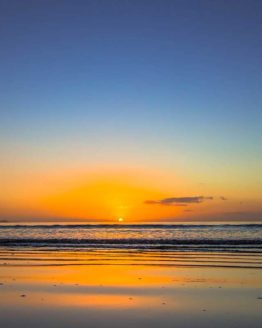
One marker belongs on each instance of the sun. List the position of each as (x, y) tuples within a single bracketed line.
[(120, 219)]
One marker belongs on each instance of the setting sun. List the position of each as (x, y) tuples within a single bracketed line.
[(120, 219)]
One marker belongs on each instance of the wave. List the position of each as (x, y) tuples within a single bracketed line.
[(131, 242)]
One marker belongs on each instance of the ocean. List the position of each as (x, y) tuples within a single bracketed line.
[(181, 244)]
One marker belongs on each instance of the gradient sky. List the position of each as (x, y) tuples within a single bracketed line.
[(109, 108)]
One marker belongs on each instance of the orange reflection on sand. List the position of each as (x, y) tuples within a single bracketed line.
[(146, 277), (89, 275)]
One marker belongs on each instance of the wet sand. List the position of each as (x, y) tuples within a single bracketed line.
[(128, 295)]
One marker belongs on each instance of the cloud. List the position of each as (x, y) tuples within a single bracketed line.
[(223, 198), (178, 201)]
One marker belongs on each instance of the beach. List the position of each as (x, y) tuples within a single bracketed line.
[(87, 286)]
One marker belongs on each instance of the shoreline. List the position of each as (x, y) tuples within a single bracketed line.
[(126, 295)]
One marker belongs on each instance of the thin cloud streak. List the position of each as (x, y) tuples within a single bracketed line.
[(178, 201)]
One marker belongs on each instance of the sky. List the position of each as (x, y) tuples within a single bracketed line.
[(145, 110)]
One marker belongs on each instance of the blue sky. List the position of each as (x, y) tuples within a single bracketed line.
[(139, 81)]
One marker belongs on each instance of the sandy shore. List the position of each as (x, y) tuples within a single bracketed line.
[(129, 296)]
